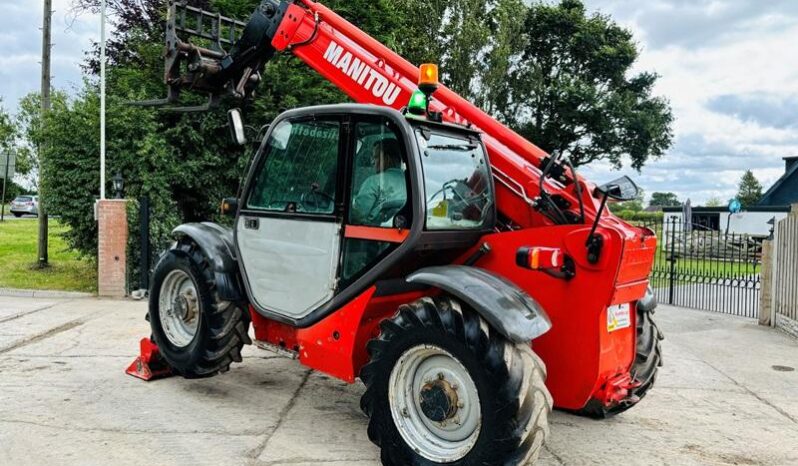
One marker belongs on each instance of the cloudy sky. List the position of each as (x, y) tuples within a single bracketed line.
[(729, 67), (730, 70), (21, 47)]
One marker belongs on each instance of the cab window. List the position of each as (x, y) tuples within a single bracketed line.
[(379, 194), (457, 184), (300, 169), (379, 179)]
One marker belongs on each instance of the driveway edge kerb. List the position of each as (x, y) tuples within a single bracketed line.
[(17, 293)]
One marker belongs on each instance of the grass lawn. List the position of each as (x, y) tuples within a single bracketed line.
[(18, 256)]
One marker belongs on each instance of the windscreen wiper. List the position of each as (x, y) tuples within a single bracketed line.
[(460, 147)]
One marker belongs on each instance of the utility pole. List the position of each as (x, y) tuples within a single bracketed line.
[(5, 180), (102, 100), (46, 47)]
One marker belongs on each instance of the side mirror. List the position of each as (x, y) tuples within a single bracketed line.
[(229, 207), (622, 189), (236, 123)]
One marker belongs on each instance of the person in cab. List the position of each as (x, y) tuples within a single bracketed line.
[(383, 194)]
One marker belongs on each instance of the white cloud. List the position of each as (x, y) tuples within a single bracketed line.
[(706, 51), (21, 47)]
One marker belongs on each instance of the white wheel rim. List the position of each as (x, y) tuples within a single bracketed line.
[(446, 440), (178, 308)]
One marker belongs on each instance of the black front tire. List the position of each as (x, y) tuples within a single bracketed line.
[(510, 381), (223, 326)]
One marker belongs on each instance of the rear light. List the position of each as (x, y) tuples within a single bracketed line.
[(539, 258)]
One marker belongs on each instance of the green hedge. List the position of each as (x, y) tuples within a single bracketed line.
[(631, 216)]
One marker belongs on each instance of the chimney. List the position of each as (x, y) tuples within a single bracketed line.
[(789, 162)]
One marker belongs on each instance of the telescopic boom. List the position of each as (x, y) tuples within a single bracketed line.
[(208, 53)]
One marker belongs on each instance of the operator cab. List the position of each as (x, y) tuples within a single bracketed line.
[(342, 197)]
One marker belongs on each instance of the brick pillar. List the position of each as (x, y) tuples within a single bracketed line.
[(112, 253)]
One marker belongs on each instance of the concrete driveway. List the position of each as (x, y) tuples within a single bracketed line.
[(64, 399)]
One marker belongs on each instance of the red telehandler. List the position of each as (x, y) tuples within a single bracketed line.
[(409, 240)]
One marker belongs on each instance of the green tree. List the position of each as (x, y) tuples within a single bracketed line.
[(28, 120), (574, 91), (184, 163), (8, 130), (137, 147), (713, 202), (664, 200), (465, 30), (630, 206), (749, 192), (476, 43)]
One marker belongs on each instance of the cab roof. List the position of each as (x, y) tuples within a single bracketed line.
[(371, 109)]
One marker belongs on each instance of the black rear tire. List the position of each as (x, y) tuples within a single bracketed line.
[(509, 379), (648, 360), (223, 326)]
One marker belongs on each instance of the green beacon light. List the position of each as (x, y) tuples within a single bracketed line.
[(418, 103)]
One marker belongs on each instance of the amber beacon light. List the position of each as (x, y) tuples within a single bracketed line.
[(428, 77)]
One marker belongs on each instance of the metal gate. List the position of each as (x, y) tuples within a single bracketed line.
[(710, 270)]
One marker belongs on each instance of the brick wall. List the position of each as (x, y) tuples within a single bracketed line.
[(112, 254)]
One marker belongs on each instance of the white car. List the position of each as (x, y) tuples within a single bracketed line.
[(25, 205)]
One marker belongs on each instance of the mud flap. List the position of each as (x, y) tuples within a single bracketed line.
[(150, 365)]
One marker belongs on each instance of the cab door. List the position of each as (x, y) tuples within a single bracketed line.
[(290, 224), (379, 207)]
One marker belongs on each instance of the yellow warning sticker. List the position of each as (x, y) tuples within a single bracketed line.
[(441, 210), (618, 317)]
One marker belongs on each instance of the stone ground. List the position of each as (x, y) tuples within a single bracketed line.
[(64, 398)]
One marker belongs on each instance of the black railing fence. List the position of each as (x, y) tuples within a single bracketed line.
[(704, 269)]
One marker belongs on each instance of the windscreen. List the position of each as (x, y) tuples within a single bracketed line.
[(300, 168), (458, 189)]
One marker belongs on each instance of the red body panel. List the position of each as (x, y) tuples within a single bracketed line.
[(581, 355), (337, 344), (388, 235), (584, 359)]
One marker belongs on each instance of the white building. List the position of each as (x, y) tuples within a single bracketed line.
[(751, 221)]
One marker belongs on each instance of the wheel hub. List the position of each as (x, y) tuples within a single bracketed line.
[(438, 400), (186, 305), (435, 403), (179, 308)]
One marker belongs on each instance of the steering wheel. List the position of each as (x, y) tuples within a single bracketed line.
[(389, 209), (316, 199)]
